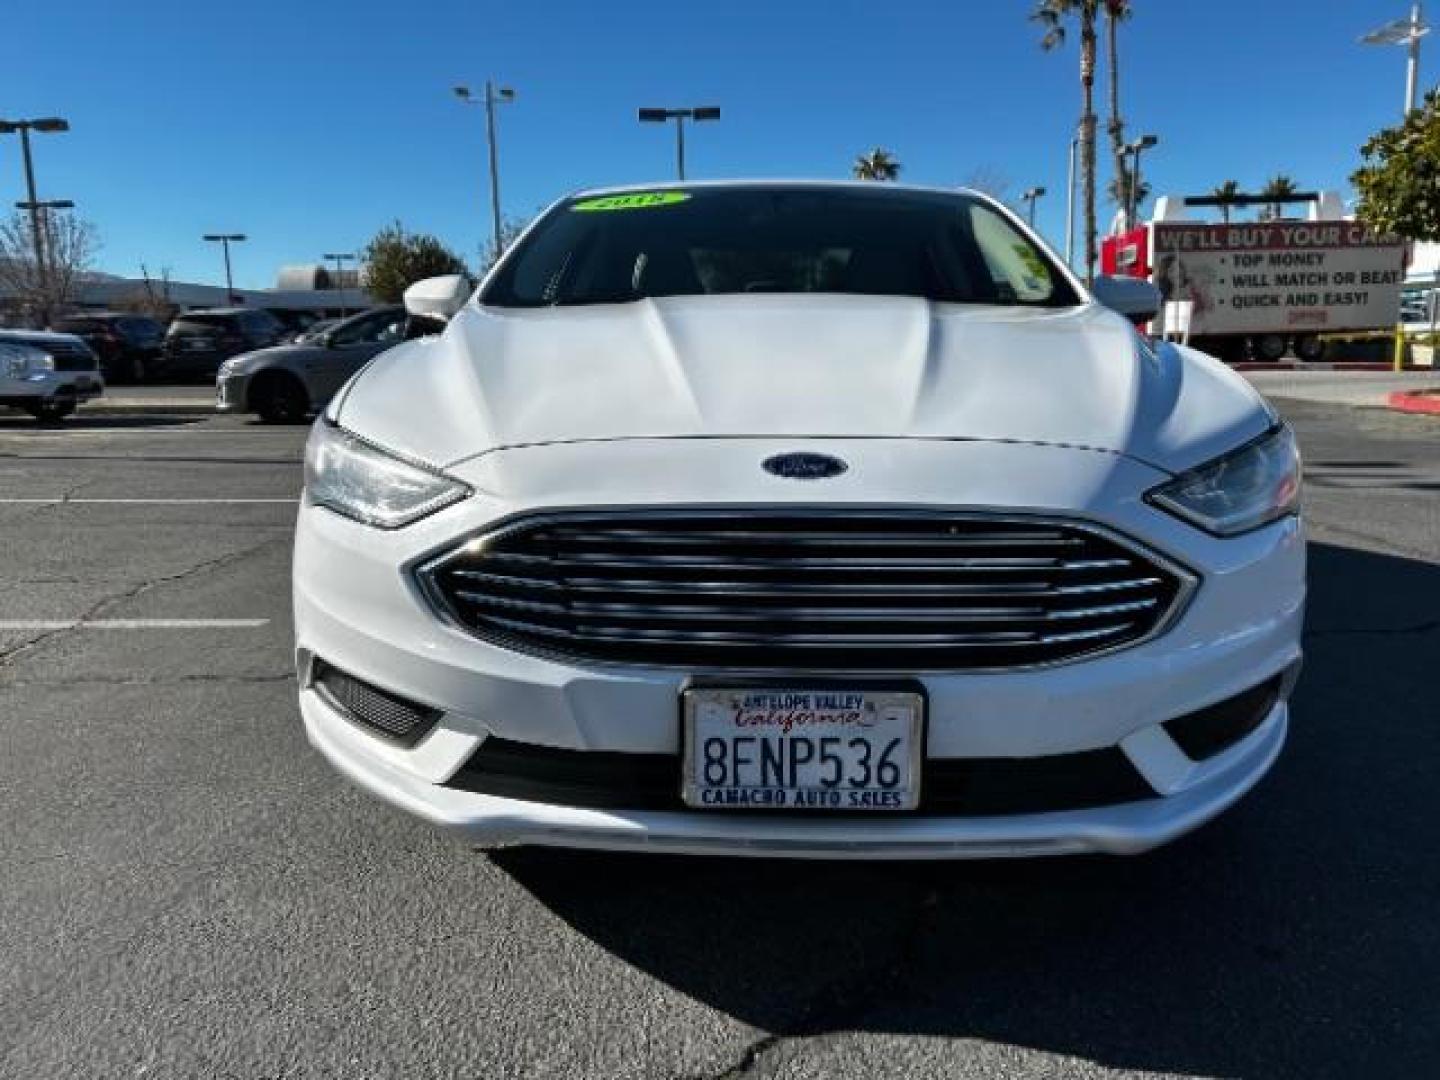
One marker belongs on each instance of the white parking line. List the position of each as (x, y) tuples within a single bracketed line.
[(133, 624), (141, 501)]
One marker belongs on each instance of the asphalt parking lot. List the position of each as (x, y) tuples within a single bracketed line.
[(190, 892)]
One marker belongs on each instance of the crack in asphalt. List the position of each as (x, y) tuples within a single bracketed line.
[(845, 1003), (10, 654)]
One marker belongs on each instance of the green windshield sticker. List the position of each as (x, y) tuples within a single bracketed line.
[(638, 200)]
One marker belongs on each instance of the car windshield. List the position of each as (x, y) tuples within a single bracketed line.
[(952, 248)]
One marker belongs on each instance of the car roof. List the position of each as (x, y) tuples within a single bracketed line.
[(20, 333), (869, 186), (105, 315)]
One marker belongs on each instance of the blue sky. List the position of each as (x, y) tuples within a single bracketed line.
[(310, 123)]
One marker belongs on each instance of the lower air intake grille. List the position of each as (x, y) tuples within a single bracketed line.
[(379, 710), (784, 589), (959, 787)]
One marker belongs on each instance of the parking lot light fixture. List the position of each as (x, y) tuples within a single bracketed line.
[(1407, 32), (1030, 197), (49, 125), (494, 95), (661, 116), (339, 258), (1132, 196), (225, 240)]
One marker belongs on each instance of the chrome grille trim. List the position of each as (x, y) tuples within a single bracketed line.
[(623, 588)]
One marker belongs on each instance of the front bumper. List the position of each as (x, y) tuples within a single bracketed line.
[(357, 606), (232, 393), (47, 387)]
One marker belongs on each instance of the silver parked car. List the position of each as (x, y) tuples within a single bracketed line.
[(286, 383)]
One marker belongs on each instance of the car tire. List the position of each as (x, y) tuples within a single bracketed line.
[(1270, 347), (51, 412), (280, 399), (1309, 348)]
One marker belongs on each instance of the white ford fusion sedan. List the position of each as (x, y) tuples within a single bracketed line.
[(798, 519)]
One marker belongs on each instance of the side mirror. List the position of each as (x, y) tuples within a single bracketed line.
[(1138, 300), (437, 300)]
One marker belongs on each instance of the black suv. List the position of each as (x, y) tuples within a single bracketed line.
[(198, 342), (127, 345)]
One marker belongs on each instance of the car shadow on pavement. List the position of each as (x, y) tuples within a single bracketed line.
[(1295, 935), (81, 422)]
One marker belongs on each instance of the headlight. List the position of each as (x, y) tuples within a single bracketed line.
[(361, 481), (18, 359), (1242, 490)]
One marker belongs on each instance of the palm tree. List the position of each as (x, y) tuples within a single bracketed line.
[(1118, 192), (878, 164), (1116, 11), (1277, 187), (1226, 192), (1052, 15)]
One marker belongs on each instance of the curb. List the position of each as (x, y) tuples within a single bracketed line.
[(1414, 401), (1323, 365), (122, 404)]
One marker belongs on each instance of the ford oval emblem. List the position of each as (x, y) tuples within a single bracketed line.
[(804, 466)]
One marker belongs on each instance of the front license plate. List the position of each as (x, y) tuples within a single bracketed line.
[(802, 749)]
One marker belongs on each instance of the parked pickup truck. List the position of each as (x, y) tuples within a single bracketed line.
[(47, 374)]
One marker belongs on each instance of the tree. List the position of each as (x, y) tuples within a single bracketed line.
[(1277, 187), (987, 179), (1227, 192), (67, 248), (1399, 182), (1118, 192), (1052, 16), (878, 164), (395, 259), (152, 298), (1116, 12), (510, 230)]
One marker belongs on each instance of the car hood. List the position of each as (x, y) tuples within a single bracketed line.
[(272, 355), (807, 367)]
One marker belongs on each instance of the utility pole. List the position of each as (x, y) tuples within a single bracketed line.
[(494, 95), (661, 116), (225, 240)]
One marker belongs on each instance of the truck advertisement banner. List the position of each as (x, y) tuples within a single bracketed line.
[(1286, 277)]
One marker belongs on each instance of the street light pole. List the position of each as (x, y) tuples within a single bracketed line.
[(494, 95), (660, 116), (225, 240), (1031, 196), (1407, 32), (1132, 196), (45, 124), (1070, 204), (339, 258)]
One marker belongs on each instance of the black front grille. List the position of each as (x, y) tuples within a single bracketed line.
[(383, 712), (767, 590), (71, 355), (954, 787)]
